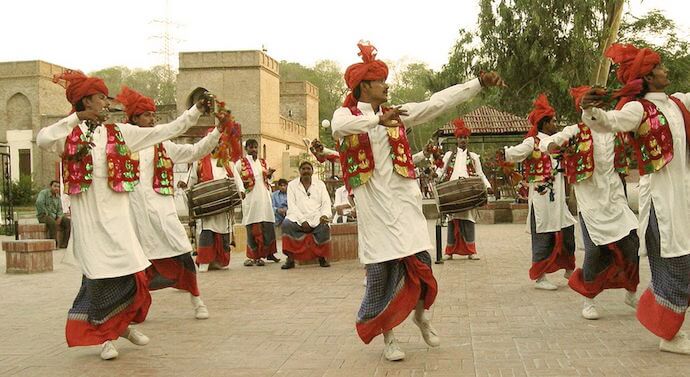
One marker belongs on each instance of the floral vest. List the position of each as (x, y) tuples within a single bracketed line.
[(537, 167), (578, 158), (205, 170), (77, 162), (163, 177), (653, 142), (357, 157), (247, 174), (469, 162)]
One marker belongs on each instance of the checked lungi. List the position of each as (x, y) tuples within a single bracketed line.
[(105, 307), (615, 265), (303, 246), (393, 289), (460, 238), (261, 240), (662, 306), (213, 248), (177, 272), (551, 251)]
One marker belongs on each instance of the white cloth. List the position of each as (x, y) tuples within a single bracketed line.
[(390, 221), (308, 205), (669, 188), (600, 199), (549, 216), (154, 215), (257, 206), (105, 243), (181, 206), (220, 222), (342, 197), (460, 171)]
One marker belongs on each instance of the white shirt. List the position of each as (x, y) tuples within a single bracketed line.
[(390, 221), (342, 197), (669, 188), (257, 206), (308, 205), (600, 199), (154, 215), (549, 216), (220, 222), (105, 243), (460, 171)]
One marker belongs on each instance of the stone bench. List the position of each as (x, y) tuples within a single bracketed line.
[(344, 244), (519, 212), (494, 213), (28, 256), (36, 232)]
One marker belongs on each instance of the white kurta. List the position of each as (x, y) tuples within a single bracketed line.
[(549, 216), (600, 199), (220, 222), (669, 188), (390, 221), (154, 215), (105, 243), (308, 205), (257, 206), (342, 197), (460, 171)]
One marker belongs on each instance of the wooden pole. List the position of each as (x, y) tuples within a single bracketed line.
[(613, 23)]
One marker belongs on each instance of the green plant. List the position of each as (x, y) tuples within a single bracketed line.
[(24, 191)]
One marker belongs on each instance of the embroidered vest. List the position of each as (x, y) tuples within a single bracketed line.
[(163, 177), (77, 162), (205, 170), (469, 164), (578, 159), (247, 174), (357, 157), (653, 142), (537, 167)]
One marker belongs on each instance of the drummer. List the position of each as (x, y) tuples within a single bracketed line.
[(550, 222), (461, 163), (214, 247), (152, 204)]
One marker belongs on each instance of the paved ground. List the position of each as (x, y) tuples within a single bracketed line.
[(269, 322)]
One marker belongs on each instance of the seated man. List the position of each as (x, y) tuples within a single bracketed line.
[(306, 234), (344, 207), (49, 212)]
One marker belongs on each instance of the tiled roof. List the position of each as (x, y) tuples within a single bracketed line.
[(486, 120)]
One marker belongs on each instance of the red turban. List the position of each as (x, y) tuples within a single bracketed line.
[(134, 102), (542, 109), (77, 85), (633, 63), (460, 129), (371, 69), (577, 94)]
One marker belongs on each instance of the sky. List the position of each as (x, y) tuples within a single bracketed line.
[(85, 35)]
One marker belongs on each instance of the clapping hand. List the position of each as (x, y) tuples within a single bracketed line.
[(390, 117)]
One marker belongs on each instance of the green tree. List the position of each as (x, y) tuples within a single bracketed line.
[(157, 82), (328, 77)]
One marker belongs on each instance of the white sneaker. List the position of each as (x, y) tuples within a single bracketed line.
[(630, 299), (679, 344), (448, 257), (429, 333), (589, 311), (473, 257), (108, 351), (136, 337), (203, 267), (392, 351), (543, 283), (568, 273), (201, 312)]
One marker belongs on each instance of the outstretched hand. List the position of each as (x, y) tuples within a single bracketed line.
[(491, 79), (595, 97), (390, 117)]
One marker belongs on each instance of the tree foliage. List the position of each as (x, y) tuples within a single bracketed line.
[(158, 82), (328, 77)]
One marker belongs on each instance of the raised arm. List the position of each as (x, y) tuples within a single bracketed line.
[(138, 138), (344, 123), (520, 152), (439, 103), (53, 137), (559, 138), (181, 153), (628, 118)]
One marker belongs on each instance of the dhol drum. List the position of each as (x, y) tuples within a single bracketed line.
[(460, 195), (213, 197)]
